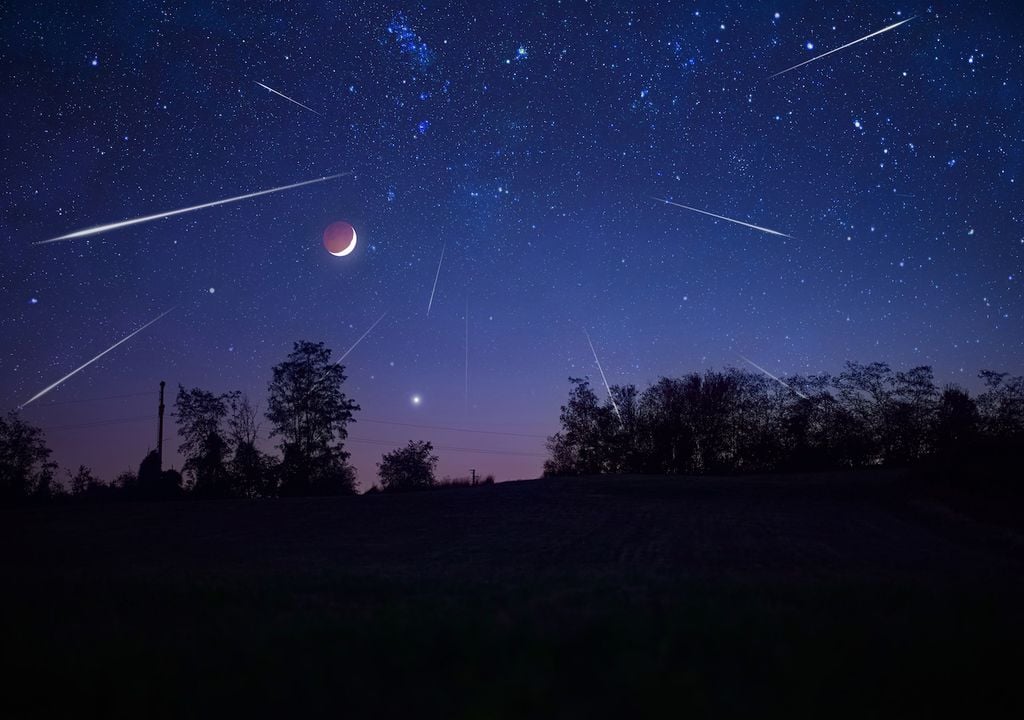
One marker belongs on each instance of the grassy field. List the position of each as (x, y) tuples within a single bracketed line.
[(810, 596)]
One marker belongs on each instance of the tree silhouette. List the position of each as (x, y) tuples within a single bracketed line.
[(739, 421), (156, 483), (82, 482), (309, 412), (582, 446), (956, 421), (408, 468), (200, 415), (251, 470), (669, 441), (1001, 406), (126, 484), (25, 467)]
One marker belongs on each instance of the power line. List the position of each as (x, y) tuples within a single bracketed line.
[(98, 423), (481, 451), (96, 399), (454, 429), (365, 441)]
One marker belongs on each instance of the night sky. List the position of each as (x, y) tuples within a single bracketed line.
[(529, 140)]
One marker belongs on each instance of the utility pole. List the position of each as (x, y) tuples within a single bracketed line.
[(473, 480), (160, 429)]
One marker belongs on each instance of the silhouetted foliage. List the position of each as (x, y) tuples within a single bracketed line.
[(408, 468), (252, 472), (463, 482), (586, 443), (739, 421), (155, 483), (1001, 406), (310, 413), (82, 482), (955, 430), (25, 466), (201, 416), (85, 486), (126, 484)]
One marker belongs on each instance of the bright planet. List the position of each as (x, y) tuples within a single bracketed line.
[(340, 238)]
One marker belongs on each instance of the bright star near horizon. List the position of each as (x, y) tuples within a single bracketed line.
[(416, 399)]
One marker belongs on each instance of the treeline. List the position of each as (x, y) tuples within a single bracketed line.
[(737, 421), (308, 414)]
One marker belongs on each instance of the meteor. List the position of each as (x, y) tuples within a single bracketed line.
[(83, 367), (135, 221), (287, 98), (360, 338), (720, 217), (436, 276), (603, 378), (781, 382), (346, 353), (843, 47)]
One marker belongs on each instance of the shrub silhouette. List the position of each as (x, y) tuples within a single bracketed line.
[(408, 468), (25, 466), (154, 483)]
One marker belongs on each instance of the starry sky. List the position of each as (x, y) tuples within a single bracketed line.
[(528, 140)]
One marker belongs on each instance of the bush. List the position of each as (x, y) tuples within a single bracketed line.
[(408, 468)]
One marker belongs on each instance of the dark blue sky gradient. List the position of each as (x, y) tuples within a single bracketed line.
[(530, 138)]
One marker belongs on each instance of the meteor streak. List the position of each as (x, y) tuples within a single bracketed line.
[(603, 378), (345, 355), (843, 47), (436, 276), (83, 367), (721, 217), (135, 221), (361, 337), (781, 382), (287, 98)]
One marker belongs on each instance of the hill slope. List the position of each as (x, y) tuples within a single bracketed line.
[(836, 593)]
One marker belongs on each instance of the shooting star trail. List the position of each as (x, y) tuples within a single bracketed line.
[(83, 367), (781, 382), (436, 276), (843, 47), (346, 353), (603, 378), (722, 217), (148, 218), (287, 98), (361, 338), (343, 356)]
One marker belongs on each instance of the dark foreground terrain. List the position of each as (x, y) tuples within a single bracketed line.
[(809, 596)]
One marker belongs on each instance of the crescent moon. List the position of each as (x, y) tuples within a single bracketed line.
[(349, 249)]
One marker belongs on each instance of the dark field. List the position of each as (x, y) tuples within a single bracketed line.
[(811, 596)]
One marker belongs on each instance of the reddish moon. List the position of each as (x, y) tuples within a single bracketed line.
[(340, 238)]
